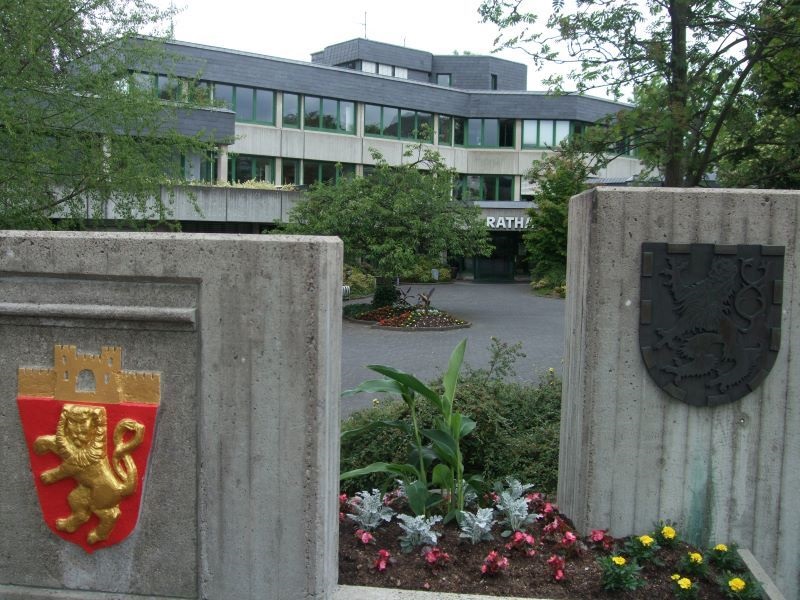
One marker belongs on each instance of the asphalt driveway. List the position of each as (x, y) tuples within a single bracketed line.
[(508, 311)]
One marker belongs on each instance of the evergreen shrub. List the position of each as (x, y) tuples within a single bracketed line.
[(516, 434)]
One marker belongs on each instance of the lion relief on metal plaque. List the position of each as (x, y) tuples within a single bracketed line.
[(710, 318)]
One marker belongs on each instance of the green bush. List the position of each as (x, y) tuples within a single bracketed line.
[(421, 273), (516, 434), (361, 283), (386, 294)]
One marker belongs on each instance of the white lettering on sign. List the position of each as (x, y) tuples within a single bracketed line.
[(508, 222)]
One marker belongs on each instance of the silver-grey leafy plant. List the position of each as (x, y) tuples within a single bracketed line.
[(517, 489), (369, 511), (418, 531), (477, 527), (515, 513)]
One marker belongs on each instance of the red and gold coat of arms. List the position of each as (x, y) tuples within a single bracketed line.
[(89, 427)]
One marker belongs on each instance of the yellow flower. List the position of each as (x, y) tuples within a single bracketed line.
[(646, 540), (684, 583), (736, 584), (618, 560), (675, 577), (721, 548), (696, 557), (668, 532), (375, 402)]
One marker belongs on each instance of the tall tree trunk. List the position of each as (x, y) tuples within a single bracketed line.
[(677, 93)]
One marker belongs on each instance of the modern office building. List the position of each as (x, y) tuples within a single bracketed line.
[(293, 122)]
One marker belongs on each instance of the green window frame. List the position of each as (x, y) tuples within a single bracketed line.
[(445, 130), (291, 110), (489, 133), (315, 171), (250, 167), (251, 105), (486, 188), (546, 133), (329, 114), (397, 123)]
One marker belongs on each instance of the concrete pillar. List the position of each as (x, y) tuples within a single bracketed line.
[(222, 164), (630, 453)]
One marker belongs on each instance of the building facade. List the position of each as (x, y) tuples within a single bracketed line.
[(293, 122)]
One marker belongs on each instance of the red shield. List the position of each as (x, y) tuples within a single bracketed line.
[(88, 449)]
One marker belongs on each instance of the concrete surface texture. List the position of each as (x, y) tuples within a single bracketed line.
[(508, 311), (240, 495), (631, 454)]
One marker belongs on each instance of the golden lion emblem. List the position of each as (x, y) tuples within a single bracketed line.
[(80, 441)]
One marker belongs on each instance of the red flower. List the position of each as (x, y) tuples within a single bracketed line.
[(569, 539), (383, 559), (365, 536), (435, 557), (557, 564), (600, 536), (522, 541), (494, 563)]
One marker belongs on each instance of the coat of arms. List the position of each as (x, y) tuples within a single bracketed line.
[(89, 428), (710, 318)]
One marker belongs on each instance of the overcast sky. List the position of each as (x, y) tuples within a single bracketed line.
[(295, 29)]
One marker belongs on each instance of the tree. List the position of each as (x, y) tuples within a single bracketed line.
[(558, 176), (75, 130), (688, 62), (396, 215)]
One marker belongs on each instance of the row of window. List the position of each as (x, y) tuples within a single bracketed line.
[(257, 105), (247, 167), (401, 123)]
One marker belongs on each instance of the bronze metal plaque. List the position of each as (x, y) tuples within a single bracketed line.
[(710, 318)]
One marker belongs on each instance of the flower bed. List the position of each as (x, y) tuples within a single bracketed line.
[(544, 558), (404, 316)]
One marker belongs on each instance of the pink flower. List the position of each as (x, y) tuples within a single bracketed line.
[(569, 539), (554, 526), (548, 508), (598, 535), (494, 563), (522, 541), (434, 556), (557, 564), (365, 536), (383, 559)]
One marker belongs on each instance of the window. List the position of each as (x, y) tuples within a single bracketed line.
[(330, 114), (223, 95), (311, 112), (544, 133), (485, 187), (246, 167), (445, 130), (244, 102), (385, 70), (320, 171), (169, 88), (290, 172), (459, 126), (208, 167), (494, 81), (443, 79), (265, 106), (372, 119), (199, 92), (490, 133), (291, 110), (143, 81), (402, 123), (401, 72), (369, 66)]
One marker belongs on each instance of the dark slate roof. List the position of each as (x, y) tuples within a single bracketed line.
[(362, 49), (245, 68)]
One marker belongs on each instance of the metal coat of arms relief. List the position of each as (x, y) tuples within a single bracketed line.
[(89, 427), (710, 318)]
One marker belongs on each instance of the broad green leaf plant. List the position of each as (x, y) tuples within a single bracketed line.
[(434, 473)]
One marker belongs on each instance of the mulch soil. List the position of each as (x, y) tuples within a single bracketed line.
[(526, 576)]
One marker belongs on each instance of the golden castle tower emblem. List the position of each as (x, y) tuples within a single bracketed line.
[(89, 428)]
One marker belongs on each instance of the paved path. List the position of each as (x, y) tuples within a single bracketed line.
[(508, 311)]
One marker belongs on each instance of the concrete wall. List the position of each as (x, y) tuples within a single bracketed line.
[(630, 454), (240, 496)]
